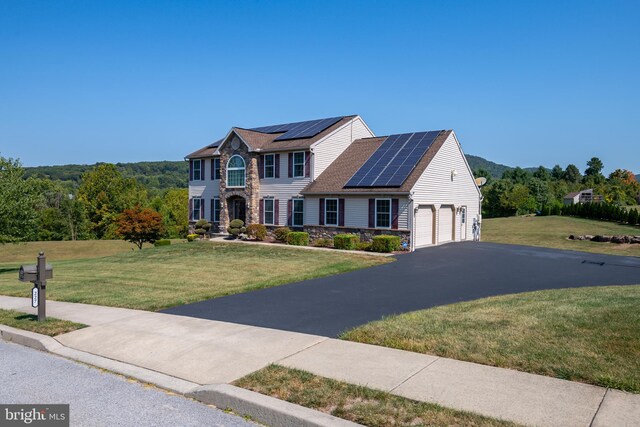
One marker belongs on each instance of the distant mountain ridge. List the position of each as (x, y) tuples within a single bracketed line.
[(167, 174)]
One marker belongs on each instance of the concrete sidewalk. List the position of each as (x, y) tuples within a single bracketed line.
[(210, 352)]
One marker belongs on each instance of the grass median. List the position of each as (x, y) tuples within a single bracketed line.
[(29, 322), (590, 335), (359, 404)]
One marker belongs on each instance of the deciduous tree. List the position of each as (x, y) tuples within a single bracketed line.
[(139, 225)]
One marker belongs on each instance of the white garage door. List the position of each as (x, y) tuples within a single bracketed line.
[(424, 226), (445, 224)]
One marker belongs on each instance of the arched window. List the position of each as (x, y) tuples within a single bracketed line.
[(235, 171)]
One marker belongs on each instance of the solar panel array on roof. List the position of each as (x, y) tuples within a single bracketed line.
[(298, 130), (393, 161)]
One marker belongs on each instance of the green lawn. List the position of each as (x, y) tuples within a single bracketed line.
[(156, 278), (355, 403), (29, 322), (553, 232), (590, 335), (27, 252)]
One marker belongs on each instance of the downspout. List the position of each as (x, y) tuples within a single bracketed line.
[(412, 246)]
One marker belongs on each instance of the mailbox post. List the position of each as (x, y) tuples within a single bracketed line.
[(38, 275)]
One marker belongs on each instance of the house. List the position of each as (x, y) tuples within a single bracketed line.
[(583, 196), (332, 176)]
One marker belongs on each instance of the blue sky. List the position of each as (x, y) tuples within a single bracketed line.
[(522, 83)]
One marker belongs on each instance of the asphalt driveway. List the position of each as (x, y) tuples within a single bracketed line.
[(422, 279)]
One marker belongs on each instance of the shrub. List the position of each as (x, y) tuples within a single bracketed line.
[(257, 231), (632, 217), (298, 238), (363, 246), (191, 237), (162, 242), (323, 243), (236, 227), (346, 241), (385, 243), (282, 233)]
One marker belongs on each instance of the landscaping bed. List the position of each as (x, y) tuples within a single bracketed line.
[(29, 322), (590, 335), (358, 404)]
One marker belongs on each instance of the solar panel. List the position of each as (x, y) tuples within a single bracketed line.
[(393, 161), (297, 130)]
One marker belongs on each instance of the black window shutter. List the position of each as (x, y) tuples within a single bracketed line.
[(290, 165), (190, 170), (213, 205), (201, 208), (190, 209), (290, 212), (276, 161), (307, 164), (261, 166), (321, 213), (341, 212), (276, 212), (261, 211), (394, 213), (213, 172), (372, 213)]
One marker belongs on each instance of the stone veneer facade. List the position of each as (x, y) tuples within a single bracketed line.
[(366, 234), (251, 190)]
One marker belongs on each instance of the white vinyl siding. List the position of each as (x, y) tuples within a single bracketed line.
[(435, 186), (327, 150), (284, 189), (205, 190), (356, 210)]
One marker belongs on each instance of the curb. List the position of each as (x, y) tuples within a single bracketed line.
[(265, 409)]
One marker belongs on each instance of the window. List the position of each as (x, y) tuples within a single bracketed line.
[(268, 211), (331, 212), (269, 166), (197, 170), (383, 213), (216, 210), (298, 164), (197, 208), (215, 172), (235, 172), (297, 219)]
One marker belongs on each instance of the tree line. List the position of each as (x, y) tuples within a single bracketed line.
[(37, 208), (519, 191)]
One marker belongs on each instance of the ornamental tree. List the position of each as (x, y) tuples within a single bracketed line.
[(139, 225)]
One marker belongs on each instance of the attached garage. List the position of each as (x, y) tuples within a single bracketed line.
[(445, 223), (424, 226)]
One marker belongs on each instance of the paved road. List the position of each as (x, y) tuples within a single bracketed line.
[(425, 278), (97, 398)]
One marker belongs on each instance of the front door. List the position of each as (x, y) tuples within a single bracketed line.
[(238, 209)]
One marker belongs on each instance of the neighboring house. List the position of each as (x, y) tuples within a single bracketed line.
[(583, 196), (333, 176)]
